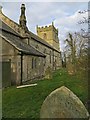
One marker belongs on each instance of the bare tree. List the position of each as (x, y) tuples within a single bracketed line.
[(71, 53), (76, 50)]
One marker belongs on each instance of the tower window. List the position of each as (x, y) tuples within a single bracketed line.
[(44, 36)]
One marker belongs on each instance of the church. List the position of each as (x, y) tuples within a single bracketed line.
[(26, 56)]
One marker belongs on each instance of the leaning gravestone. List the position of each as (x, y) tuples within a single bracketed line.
[(63, 103)]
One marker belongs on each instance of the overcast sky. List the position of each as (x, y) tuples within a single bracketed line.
[(64, 15)]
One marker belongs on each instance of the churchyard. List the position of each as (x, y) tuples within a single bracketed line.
[(26, 102)]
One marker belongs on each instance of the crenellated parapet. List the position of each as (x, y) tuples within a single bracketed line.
[(47, 28), (49, 34)]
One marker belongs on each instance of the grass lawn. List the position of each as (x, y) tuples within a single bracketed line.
[(26, 102)]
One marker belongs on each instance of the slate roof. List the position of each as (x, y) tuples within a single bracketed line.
[(16, 40), (40, 40)]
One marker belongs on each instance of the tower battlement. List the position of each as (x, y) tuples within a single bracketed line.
[(47, 28), (49, 34)]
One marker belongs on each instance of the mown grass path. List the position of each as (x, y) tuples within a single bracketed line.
[(26, 102)]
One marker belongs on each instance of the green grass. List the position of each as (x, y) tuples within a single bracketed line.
[(26, 102)]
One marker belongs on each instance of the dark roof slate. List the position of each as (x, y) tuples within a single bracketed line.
[(16, 40), (5, 27), (40, 40)]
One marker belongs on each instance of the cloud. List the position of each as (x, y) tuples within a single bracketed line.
[(44, 12), (71, 21), (68, 24)]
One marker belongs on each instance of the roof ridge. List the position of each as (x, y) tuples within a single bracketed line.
[(21, 46), (10, 28), (41, 41), (10, 20)]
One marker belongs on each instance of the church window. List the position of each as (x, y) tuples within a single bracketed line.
[(34, 63), (50, 57), (45, 58)]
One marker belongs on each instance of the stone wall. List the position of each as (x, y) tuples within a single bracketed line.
[(57, 60), (10, 53), (43, 49), (52, 57), (33, 67)]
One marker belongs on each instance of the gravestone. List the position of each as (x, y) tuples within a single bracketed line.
[(63, 103)]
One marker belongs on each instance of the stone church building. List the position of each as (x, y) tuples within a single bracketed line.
[(26, 56)]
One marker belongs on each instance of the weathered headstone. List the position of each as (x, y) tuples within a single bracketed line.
[(63, 103)]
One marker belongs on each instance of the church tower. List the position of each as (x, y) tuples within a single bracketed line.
[(22, 20), (50, 35)]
